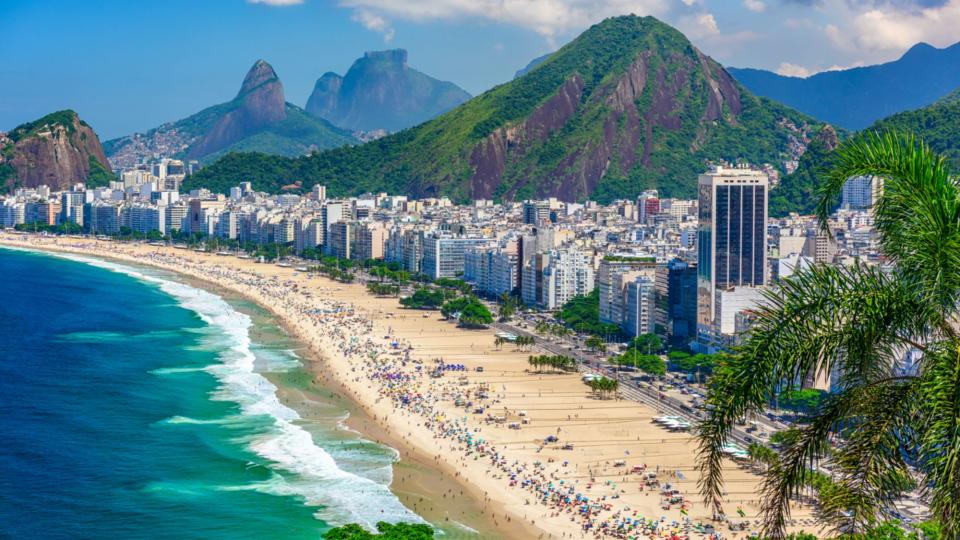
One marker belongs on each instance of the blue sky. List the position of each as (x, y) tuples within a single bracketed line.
[(128, 65)]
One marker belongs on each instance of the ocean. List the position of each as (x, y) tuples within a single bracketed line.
[(136, 406)]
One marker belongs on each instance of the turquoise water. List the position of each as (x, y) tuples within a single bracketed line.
[(134, 406)]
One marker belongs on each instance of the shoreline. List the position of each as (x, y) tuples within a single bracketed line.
[(514, 511), (410, 486)]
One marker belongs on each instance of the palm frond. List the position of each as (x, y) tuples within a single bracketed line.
[(918, 212), (940, 440), (855, 319)]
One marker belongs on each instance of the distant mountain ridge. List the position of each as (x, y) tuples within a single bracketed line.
[(532, 64), (58, 150), (630, 104), (856, 98), (381, 92), (257, 119)]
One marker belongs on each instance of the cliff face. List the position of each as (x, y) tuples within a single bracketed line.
[(259, 103), (58, 150), (381, 92)]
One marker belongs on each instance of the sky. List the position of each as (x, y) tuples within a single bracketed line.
[(129, 65)]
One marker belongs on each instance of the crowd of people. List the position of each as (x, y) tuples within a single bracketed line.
[(439, 397)]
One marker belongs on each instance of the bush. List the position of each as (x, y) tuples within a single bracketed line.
[(385, 531), (469, 310), (424, 298)]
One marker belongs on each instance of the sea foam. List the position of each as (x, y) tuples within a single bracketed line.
[(341, 496)]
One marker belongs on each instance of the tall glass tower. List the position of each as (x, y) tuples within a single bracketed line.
[(731, 238)]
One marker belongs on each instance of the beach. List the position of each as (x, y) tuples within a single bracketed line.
[(415, 378)]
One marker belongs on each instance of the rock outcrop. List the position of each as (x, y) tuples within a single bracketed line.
[(381, 92), (259, 103), (58, 150)]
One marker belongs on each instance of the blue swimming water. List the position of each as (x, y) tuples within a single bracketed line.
[(132, 406)]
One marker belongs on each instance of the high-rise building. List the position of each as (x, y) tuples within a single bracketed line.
[(319, 192), (615, 272), (536, 212), (12, 213), (553, 278), (676, 302), (861, 192), (333, 212), (176, 217), (102, 218), (648, 205), (338, 240), (731, 239), (443, 256), (370, 242), (639, 307), (200, 209)]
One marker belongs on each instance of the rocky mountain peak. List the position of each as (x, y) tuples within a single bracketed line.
[(57, 150), (261, 73), (392, 56), (380, 92), (260, 103)]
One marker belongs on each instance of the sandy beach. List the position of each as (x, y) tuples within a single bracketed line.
[(382, 356)]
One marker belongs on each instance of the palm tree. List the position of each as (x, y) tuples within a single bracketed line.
[(857, 322)]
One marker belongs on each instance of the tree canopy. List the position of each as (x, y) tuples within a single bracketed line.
[(385, 531)]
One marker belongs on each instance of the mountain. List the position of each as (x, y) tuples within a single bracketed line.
[(630, 104), (938, 125), (381, 92), (257, 119), (856, 98), (533, 63), (58, 150)]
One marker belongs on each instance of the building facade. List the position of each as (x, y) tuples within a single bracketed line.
[(731, 240)]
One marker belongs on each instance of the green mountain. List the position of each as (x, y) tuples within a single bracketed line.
[(257, 119), (58, 150), (381, 92), (938, 125), (630, 104)]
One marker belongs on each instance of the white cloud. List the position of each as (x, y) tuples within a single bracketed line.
[(278, 3), (890, 28), (548, 18), (374, 22), (793, 70), (840, 38), (756, 6), (708, 24)]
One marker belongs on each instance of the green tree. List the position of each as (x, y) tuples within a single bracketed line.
[(596, 343), (648, 363), (855, 322), (647, 343), (582, 313), (802, 400), (385, 531)]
